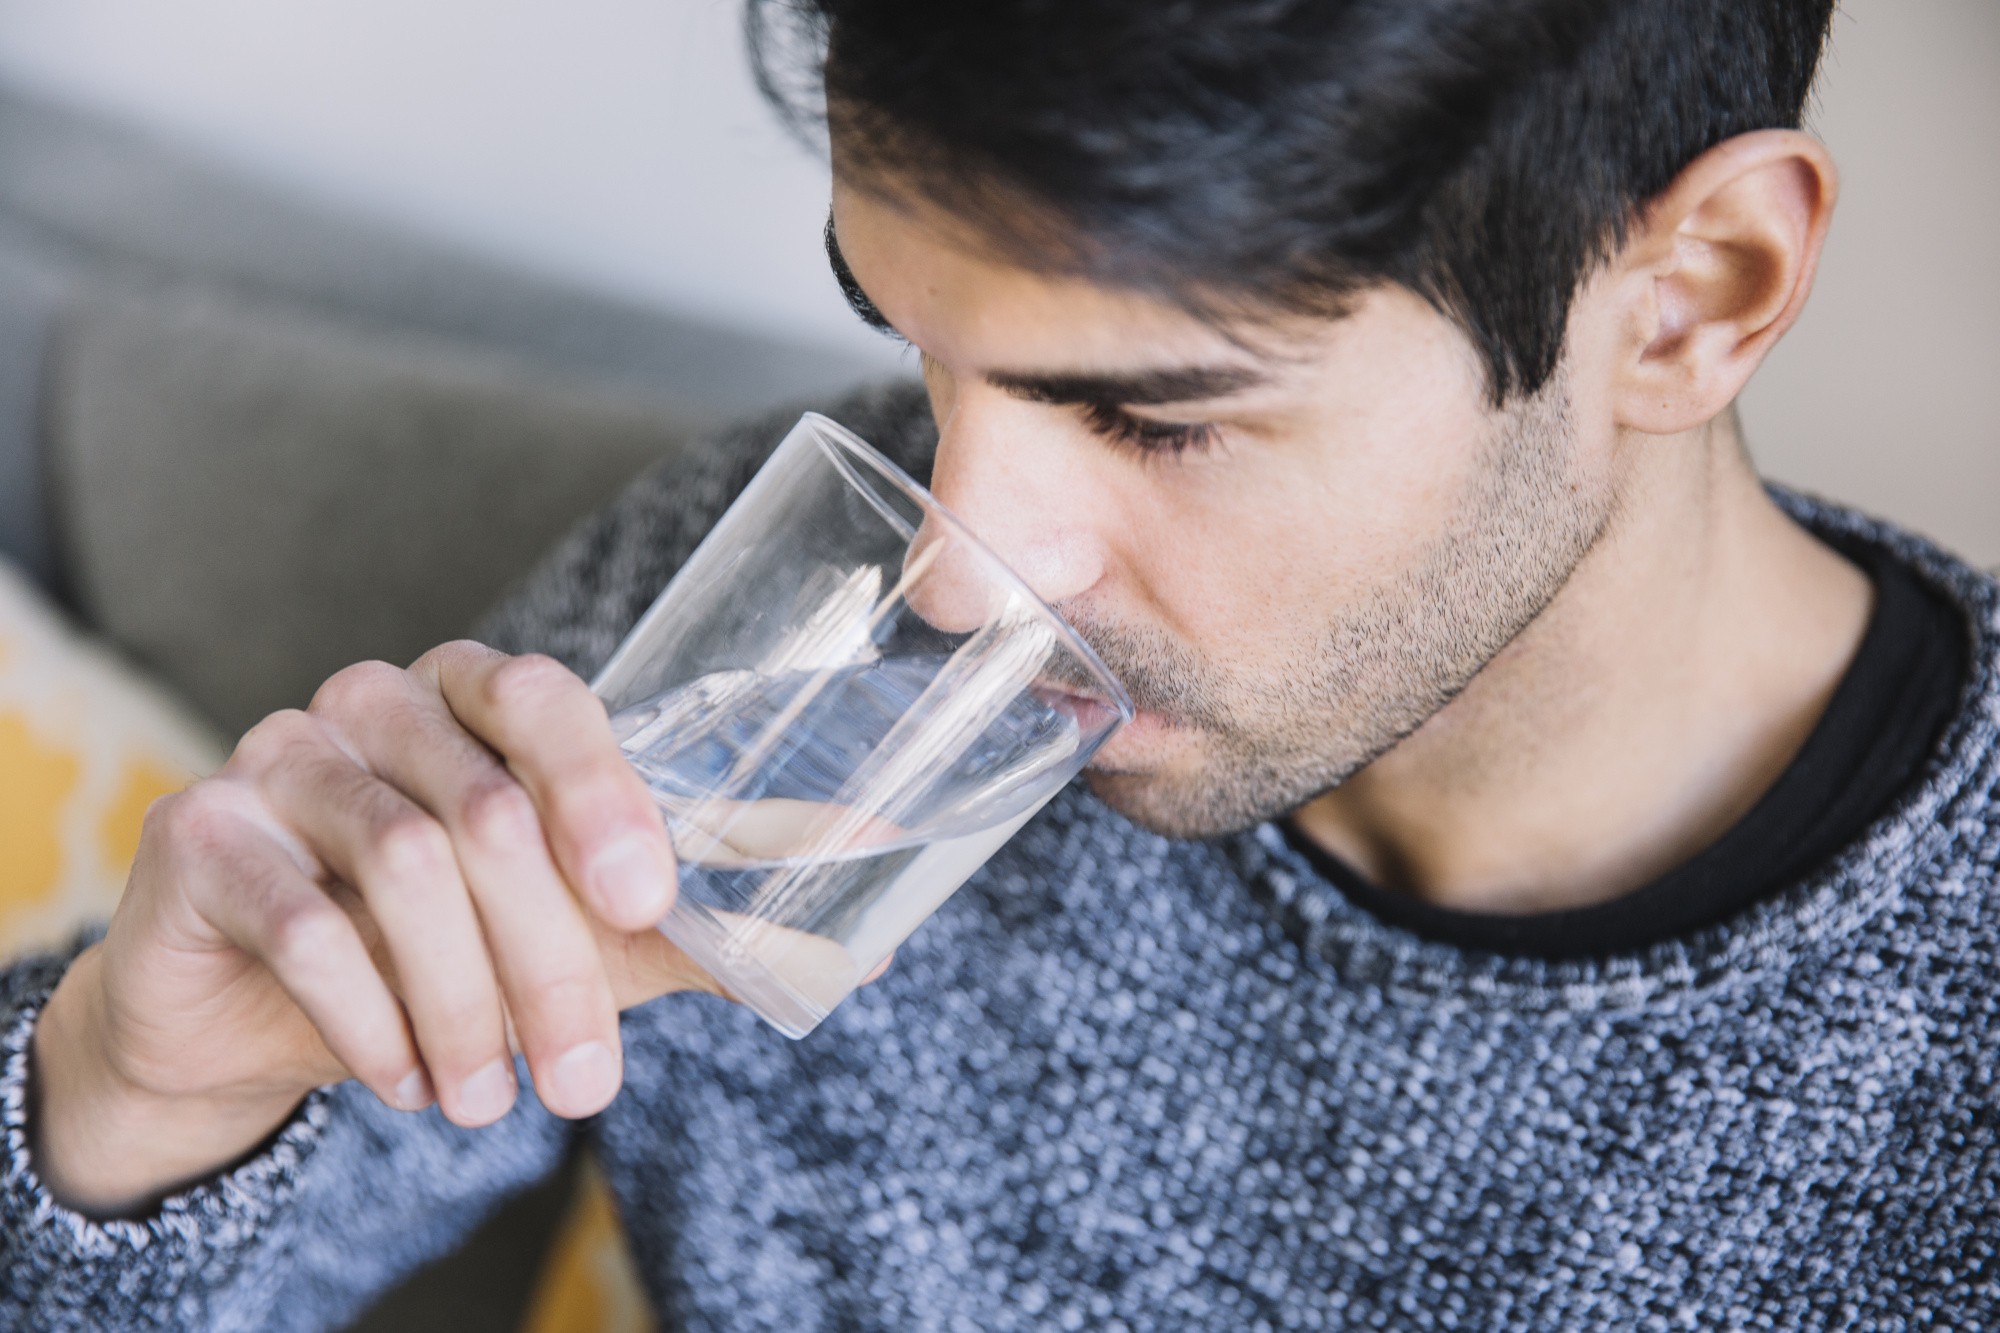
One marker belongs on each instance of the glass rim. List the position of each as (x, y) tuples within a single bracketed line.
[(832, 431)]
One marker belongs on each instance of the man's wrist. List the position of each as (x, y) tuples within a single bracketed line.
[(107, 1146)]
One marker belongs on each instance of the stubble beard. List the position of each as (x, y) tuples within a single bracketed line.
[(1353, 691)]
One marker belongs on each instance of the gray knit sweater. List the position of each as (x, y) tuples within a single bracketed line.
[(1127, 1083)]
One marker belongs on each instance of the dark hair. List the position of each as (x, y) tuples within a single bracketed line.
[(1279, 155)]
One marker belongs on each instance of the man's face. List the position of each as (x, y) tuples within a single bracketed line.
[(1294, 545)]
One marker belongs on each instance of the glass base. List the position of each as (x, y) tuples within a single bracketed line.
[(718, 949)]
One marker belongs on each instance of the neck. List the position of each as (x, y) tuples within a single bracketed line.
[(1644, 712)]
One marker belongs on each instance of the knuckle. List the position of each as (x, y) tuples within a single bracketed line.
[(429, 662), (459, 648), (361, 685), (302, 935), (409, 847), (531, 680), (169, 817), (497, 812), (277, 736), (196, 820)]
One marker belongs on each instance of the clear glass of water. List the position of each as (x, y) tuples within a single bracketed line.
[(844, 703)]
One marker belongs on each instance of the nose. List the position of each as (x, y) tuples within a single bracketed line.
[(1023, 485)]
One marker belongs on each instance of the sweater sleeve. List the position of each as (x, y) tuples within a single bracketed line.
[(345, 1199)]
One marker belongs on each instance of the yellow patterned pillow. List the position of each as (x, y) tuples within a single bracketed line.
[(85, 746)]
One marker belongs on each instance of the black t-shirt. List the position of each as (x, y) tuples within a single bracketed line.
[(1884, 720)]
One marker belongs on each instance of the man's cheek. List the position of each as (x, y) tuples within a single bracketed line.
[(1256, 590)]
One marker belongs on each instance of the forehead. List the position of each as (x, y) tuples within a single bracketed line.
[(942, 286)]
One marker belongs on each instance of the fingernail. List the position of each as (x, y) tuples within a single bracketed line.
[(585, 1076), (414, 1092), (627, 880), (486, 1096)]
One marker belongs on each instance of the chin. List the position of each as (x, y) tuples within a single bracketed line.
[(1123, 791), (1148, 743), (1171, 781), (1162, 803), (1151, 771)]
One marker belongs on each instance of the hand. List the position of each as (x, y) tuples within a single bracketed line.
[(382, 887)]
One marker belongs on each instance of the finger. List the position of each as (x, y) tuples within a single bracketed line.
[(540, 940), (402, 863), (251, 889), (644, 965), (602, 826)]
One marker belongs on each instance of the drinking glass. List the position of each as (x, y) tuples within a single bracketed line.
[(844, 702)]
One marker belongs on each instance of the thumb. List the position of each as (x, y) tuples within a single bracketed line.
[(644, 965)]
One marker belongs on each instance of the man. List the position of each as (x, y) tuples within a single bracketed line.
[(1549, 883)]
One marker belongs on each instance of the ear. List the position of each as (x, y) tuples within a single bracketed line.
[(1716, 269)]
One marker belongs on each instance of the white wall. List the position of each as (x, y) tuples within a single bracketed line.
[(620, 142), (1888, 391)]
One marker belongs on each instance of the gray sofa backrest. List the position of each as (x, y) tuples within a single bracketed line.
[(251, 442)]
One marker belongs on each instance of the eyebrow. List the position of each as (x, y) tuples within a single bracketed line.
[(857, 299), (1135, 388), (1151, 387)]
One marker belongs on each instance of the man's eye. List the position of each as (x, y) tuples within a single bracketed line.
[(1153, 438)]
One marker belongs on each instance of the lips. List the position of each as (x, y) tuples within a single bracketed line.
[(1092, 712)]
